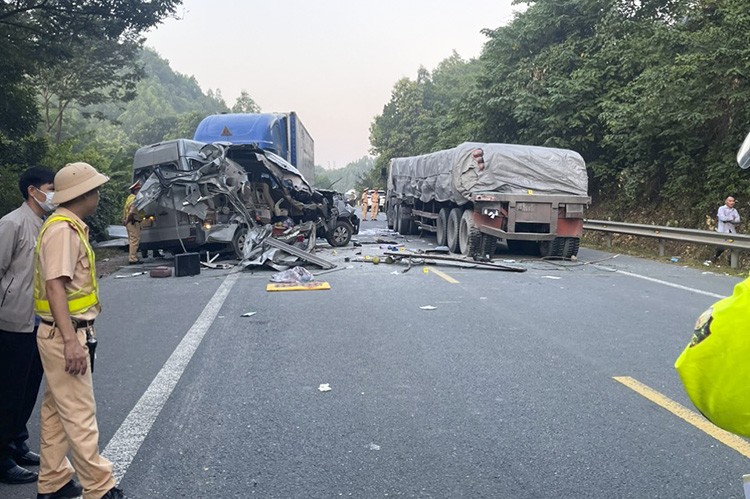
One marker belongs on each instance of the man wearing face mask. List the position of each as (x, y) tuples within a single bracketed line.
[(20, 367)]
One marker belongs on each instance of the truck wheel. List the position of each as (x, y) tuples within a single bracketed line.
[(238, 242), (442, 227), (570, 247), (454, 221), (405, 223), (341, 234), (469, 237), (489, 245), (545, 248)]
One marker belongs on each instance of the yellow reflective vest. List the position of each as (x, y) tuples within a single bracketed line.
[(714, 367), (79, 301)]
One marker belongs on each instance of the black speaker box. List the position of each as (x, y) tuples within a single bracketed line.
[(187, 264)]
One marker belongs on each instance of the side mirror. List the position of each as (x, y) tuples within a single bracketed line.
[(743, 156)]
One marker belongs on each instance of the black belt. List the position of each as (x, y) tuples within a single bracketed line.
[(77, 323)]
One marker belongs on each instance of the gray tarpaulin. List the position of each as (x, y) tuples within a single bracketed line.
[(454, 174)]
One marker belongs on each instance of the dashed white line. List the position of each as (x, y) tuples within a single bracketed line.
[(124, 445), (671, 284)]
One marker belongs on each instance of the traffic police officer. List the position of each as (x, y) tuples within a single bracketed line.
[(364, 205), (66, 299), (131, 218)]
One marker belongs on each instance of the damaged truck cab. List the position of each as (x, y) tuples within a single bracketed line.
[(207, 196)]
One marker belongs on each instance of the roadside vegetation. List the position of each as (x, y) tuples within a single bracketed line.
[(654, 95)]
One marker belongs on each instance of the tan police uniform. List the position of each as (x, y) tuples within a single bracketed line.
[(68, 412), (364, 205), (132, 221), (375, 198)]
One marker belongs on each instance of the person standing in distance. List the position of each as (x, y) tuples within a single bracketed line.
[(728, 218), (66, 299), (364, 205), (375, 199), (131, 218), (20, 367)]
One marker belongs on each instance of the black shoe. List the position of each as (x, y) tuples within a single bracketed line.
[(114, 493), (68, 491), (16, 475), (137, 262), (29, 459)]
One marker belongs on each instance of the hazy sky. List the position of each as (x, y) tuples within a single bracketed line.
[(333, 61)]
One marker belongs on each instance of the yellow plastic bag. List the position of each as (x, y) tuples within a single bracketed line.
[(715, 366)]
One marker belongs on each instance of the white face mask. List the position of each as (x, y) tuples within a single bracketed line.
[(47, 205)]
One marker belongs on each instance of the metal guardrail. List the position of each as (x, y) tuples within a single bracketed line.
[(734, 242)]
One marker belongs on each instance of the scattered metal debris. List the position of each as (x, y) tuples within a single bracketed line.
[(473, 263)]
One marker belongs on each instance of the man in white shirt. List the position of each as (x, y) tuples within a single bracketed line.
[(728, 217), (728, 220)]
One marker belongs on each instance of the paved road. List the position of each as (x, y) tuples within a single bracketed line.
[(504, 390)]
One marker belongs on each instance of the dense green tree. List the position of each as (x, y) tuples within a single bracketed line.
[(101, 71), (245, 104)]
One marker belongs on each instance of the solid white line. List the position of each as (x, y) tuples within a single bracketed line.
[(671, 284), (123, 447)]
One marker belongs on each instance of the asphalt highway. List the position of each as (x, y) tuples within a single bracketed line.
[(505, 388)]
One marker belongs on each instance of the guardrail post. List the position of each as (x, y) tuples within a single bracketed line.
[(661, 247), (734, 258), (608, 239)]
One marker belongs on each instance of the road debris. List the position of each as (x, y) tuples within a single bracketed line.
[(459, 259), (294, 275), (248, 314), (428, 307), (324, 387), (551, 277), (134, 274), (373, 446)]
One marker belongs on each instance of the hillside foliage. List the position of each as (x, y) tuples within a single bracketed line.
[(654, 95)]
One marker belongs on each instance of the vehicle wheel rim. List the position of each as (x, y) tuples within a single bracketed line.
[(339, 234)]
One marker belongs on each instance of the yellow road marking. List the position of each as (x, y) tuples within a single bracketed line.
[(444, 276), (729, 439)]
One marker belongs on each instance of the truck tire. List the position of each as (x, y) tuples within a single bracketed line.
[(442, 227), (405, 223), (238, 242), (570, 247), (389, 217), (341, 234), (545, 248), (469, 237), (454, 222), (489, 245)]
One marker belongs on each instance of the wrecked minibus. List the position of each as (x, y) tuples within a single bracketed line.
[(199, 196)]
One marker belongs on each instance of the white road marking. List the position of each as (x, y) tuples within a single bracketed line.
[(123, 447), (671, 284)]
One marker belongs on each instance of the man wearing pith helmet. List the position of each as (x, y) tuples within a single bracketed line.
[(66, 299)]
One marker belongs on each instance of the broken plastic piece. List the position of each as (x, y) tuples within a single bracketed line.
[(324, 387), (248, 314), (293, 275), (428, 307)]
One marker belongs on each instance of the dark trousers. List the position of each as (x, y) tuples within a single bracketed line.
[(20, 376)]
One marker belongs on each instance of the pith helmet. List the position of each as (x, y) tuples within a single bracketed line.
[(76, 179)]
